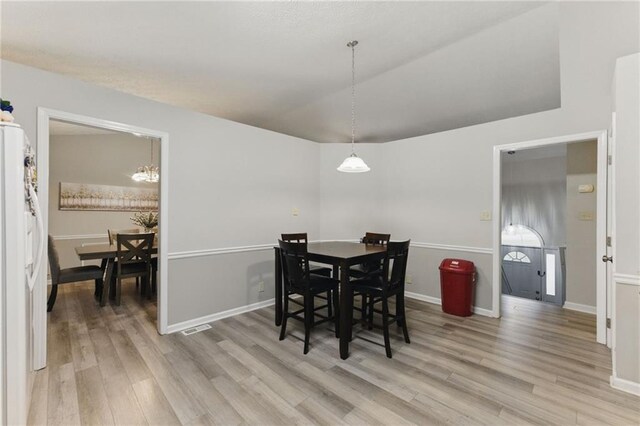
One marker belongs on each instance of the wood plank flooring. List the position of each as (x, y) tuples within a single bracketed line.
[(539, 364)]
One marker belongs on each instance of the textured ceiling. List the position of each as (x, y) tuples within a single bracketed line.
[(422, 67)]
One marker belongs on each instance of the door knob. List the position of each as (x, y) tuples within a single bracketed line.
[(606, 258)]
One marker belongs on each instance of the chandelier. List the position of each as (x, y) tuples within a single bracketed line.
[(150, 173), (353, 163)]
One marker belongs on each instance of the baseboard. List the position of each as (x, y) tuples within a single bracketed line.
[(173, 328), (587, 309), (437, 301), (625, 385)]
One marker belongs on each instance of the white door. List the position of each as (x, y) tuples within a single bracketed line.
[(602, 265), (610, 226)]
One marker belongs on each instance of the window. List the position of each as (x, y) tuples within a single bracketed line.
[(517, 256)]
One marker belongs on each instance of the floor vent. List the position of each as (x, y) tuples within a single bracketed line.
[(190, 331)]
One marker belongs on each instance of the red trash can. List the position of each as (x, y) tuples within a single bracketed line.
[(457, 279)]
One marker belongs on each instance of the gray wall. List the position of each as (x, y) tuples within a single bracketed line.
[(97, 159), (434, 187), (534, 194), (230, 183), (580, 255)]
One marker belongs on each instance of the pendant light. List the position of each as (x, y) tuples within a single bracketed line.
[(511, 230), (353, 163), (150, 173)]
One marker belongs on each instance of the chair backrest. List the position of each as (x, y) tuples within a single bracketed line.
[(300, 237), (295, 265), (113, 233), (54, 261), (398, 253), (134, 248), (375, 239)]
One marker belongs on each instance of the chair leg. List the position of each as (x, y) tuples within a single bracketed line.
[(99, 284), (336, 317), (118, 290), (137, 282), (154, 280), (308, 320), (371, 303), (147, 284), (400, 306), (52, 297), (363, 308), (285, 315), (329, 305), (385, 325)]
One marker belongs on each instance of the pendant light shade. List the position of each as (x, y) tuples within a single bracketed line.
[(353, 163), (150, 173)]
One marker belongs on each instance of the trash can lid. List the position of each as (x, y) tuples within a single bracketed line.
[(459, 266)]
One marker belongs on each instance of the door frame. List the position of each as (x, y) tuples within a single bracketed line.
[(42, 159), (601, 219)]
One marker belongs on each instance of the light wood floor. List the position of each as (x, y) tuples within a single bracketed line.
[(539, 365)]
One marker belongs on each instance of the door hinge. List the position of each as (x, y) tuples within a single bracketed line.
[(610, 159), (608, 322), (608, 241)]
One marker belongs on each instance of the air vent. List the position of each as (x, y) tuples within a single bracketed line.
[(193, 330)]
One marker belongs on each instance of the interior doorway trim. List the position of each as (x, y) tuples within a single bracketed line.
[(601, 219), (42, 157)]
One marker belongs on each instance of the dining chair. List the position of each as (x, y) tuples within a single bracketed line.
[(380, 287), (298, 280), (301, 237), (70, 275), (133, 254), (113, 233), (368, 269)]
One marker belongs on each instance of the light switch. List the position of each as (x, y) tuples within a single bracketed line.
[(485, 215), (585, 189), (295, 211), (585, 215)]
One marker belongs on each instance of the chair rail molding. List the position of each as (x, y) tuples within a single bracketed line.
[(258, 247), (79, 237), (626, 279)]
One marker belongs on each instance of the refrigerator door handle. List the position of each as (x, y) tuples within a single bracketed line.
[(31, 277)]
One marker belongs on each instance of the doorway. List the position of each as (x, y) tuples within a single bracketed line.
[(545, 280), (109, 203)]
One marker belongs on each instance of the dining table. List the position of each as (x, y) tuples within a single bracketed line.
[(107, 253), (341, 255)]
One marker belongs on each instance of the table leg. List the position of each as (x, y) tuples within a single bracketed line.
[(278, 284), (107, 282), (98, 293), (346, 310)]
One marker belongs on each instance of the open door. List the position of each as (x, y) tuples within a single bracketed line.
[(603, 249), (609, 252)]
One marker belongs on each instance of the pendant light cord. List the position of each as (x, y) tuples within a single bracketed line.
[(353, 95)]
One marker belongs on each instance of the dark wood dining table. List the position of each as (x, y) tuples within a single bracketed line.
[(107, 253), (341, 255)]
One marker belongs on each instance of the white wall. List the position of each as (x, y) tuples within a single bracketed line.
[(581, 234), (95, 159), (534, 194), (231, 185), (435, 186), (626, 239)]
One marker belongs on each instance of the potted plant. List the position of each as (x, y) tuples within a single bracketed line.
[(147, 220)]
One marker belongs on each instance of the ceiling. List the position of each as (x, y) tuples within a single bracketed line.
[(422, 67)]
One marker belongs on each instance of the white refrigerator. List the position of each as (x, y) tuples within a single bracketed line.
[(21, 252)]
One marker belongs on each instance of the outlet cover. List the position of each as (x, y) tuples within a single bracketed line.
[(409, 279), (485, 215), (585, 215), (261, 286), (295, 211)]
